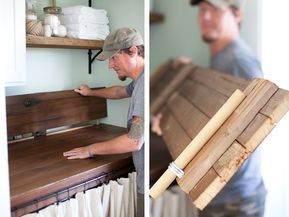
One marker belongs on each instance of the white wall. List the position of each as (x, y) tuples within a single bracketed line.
[(274, 54), (6, 49), (177, 36), (60, 69)]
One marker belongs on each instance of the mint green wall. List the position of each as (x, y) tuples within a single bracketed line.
[(60, 69), (179, 34)]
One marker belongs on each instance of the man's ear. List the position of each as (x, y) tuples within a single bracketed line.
[(133, 50), (238, 15)]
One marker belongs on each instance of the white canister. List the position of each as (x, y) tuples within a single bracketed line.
[(52, 20), (47, 31)]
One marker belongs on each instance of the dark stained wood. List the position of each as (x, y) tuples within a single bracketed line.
[(36, 112), (159, 157), (59, 42), (38, 168), (156, 18)]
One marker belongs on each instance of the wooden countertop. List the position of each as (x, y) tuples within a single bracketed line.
[(37, 167)]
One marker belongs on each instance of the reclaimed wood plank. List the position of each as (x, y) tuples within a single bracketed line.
[(188, 116), (260, 92), (169, 87), (177, 140), (223, 83), (36, 112), (205, 99)]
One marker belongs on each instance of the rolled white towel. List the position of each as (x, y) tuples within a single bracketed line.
[(80, 9), (83, 18)]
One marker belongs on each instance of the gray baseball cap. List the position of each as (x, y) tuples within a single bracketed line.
[(119, 39), (220, 3)]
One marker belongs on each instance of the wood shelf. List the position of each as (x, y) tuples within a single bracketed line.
[(58, 42), (156, 17)]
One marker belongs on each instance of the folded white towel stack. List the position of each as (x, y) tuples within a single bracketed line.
[(85, 22)]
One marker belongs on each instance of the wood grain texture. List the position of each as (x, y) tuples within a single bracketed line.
[(175, 141), (38, 168), (169, 84), (59, 42), (198, 142), (219, 81), (265, 121), (207, 100), (240, 150), (194, 102), (260, 92), (36, 112), (206, 189)]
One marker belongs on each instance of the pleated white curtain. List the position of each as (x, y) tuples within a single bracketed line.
[(115, 199), (173, 202)]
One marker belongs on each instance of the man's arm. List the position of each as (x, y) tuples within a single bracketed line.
[(132, 141), (115, 92)]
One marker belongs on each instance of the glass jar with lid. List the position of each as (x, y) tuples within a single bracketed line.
[(53, 16)]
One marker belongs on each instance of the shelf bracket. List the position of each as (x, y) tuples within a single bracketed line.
[(91, 59)]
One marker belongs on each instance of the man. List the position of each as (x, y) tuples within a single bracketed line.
[(125, 51), (219, 22)]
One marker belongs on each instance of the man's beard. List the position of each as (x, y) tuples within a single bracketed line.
[(122, 78), (207, 39)]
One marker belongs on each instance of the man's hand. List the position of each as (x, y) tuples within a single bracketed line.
[(83, 89), (180, 61), (156, 124), (78, 153)]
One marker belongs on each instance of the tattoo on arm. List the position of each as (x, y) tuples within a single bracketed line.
[(136, 131)]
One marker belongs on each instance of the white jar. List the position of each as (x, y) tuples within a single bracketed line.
[(51, 20), (47, 31)]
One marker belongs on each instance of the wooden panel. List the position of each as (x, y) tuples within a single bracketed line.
[(217, 176), (37, 167), (175, 141), (58, 42), (159, 75), (35, 112), (277, 106), (256, 131), (159, 157), (207, 100), (170, 83), (265, 121), (228, 164), (189, 118), (223, 83), (233, 158), (206, 189), (261, 92)]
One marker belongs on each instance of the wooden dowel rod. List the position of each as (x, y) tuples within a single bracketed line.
[(198, 142)]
